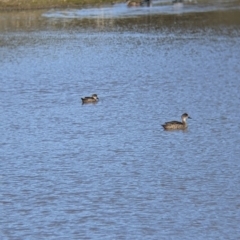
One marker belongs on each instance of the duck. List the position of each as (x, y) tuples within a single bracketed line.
[(173, 125), (93, 99)]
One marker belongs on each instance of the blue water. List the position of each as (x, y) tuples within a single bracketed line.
[(109, 170)]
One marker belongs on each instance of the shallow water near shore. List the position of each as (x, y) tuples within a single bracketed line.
[(109, 170)]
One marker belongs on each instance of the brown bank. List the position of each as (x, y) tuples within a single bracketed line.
[(38, 4)]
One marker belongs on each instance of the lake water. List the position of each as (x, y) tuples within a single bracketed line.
[(109, 170)]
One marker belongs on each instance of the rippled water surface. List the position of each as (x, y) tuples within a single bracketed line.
[(109, 170)]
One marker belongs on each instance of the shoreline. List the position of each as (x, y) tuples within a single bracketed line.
[(13, 5)]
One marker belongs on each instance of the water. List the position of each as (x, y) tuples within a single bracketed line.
[(120, 10), (109, 170)]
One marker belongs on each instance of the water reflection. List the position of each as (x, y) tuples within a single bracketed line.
[(41, 20), (160, 15), (121, 10), (20, 20)]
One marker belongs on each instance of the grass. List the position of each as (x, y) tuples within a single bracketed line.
[(38, 4)]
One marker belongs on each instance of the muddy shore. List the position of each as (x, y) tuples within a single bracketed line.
[(8, 5)]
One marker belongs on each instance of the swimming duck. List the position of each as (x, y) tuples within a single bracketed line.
[(177, 125), (93, 99)]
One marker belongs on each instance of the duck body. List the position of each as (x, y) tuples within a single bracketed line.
[(176, 125), (93, 99)]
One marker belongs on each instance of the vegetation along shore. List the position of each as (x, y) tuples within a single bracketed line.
[(38, 4)]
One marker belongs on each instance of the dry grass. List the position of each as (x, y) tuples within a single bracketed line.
[(37, 4)]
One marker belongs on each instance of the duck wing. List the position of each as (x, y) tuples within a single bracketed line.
[(173, 122), (87, 98)]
